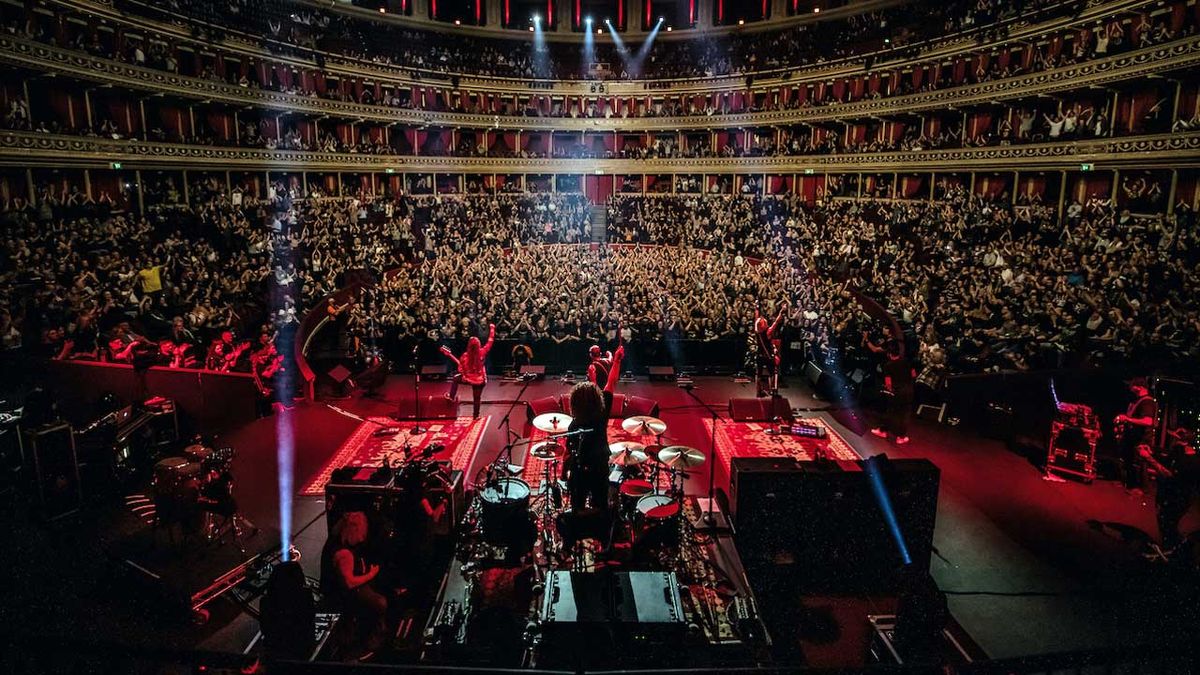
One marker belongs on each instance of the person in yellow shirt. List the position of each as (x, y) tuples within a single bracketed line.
[(150, 279)]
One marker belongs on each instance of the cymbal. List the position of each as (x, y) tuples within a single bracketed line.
[(547, 450), (645, 425), (626, 453), (552, 423), (680, 457)]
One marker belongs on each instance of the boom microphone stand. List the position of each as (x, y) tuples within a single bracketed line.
[(711, 518)]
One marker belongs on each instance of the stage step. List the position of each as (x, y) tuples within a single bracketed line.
[(599, 223)]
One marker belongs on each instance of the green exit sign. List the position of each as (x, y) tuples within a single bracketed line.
[(115, 165), (1086, 167), (809, 172), (390, 170)]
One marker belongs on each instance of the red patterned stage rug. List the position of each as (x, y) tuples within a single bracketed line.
[(749, 439), (461, 437)]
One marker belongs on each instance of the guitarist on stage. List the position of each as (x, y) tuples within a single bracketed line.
[(766, 353), (471, 368)]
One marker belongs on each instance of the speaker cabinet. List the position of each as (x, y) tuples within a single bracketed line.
[(55, 469), (661, 373), (543, 405), (639, 405), (820, 524), (438, 408), (764, 409), (538, 371), (434, 373)]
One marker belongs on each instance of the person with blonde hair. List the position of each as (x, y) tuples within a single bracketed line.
[(471, 367), (346, 578)]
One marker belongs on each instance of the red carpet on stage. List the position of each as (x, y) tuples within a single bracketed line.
[(749, 439), (461, 437)]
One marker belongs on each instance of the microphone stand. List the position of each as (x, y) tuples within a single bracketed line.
[(507, 415), (509, 434), (417, 428), (711, 518)]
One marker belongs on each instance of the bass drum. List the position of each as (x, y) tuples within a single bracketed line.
[(504, 512)]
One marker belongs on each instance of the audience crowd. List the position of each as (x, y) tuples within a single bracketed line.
[(301, 30)]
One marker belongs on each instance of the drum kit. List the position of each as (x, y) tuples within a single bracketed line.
[(195, 491), (648, 479)]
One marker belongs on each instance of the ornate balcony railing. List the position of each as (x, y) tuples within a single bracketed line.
[(1160, 150), (1175, 55), (941, 48)]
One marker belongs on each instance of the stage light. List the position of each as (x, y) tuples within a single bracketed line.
[(531, 29), (383, 10), (816, 10), (599, 31), (537, 18), (457, 22), (669, 29), (588, 20), (875, 467), (741, 22)]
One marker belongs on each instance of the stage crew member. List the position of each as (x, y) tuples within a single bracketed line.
[(471, 368)]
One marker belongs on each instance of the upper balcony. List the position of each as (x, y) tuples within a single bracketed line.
[(1176, 55), (408, 56)]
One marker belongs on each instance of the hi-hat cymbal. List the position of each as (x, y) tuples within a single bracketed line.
[(680, 457), (547, 450), (552, 423), (645, 425), (626, 453)]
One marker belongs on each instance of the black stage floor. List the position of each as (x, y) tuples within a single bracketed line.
[(1031, 566)]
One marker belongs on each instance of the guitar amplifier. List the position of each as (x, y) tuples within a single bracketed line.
[(629, 607)]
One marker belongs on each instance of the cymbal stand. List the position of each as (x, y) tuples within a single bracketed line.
[(547, 508)]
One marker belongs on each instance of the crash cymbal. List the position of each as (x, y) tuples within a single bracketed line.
[(645, 425), (547, 450), (680, 457), (552, 423), (626, 453)]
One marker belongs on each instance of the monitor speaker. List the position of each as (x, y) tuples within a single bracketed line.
[(661, 373), (765, 409), (538, 371), (543, 405)]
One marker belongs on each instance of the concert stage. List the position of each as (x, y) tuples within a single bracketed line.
[(1000, 529)]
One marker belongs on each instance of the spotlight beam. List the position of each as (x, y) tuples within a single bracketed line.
[(644, 50)]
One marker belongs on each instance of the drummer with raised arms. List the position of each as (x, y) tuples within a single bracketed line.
[(588, 452)]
